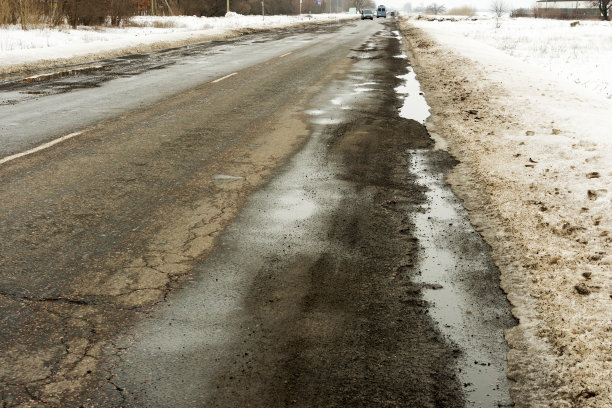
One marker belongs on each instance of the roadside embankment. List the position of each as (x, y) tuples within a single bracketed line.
[(534, 174)]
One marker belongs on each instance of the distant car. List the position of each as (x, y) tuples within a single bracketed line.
[(367, 13), (381, 11)]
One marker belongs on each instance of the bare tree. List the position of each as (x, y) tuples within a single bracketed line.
[(604, 6), (435, 8), (361, 4), (28, 13), (121, 10), (499, 7)]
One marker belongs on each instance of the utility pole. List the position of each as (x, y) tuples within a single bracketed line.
[(228, 6)]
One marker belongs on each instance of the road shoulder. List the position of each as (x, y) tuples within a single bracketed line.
[(546, 239)]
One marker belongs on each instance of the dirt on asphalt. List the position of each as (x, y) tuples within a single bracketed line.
[(323, 311), (97, 230)]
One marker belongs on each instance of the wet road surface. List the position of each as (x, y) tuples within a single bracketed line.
[(38, 107), (336, 283)]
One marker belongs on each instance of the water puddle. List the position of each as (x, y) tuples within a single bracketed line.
[(461, 283), (455, 271), (293, 207), (415, 106), (225, 177), (314, 112), (327, 121)]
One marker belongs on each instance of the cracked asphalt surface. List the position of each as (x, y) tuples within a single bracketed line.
[(233, 245)]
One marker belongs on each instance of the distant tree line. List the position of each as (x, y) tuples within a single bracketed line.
[(216, 8), (73, 12), (114, 12)]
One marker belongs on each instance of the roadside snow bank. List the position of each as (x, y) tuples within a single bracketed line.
[(44, 47), (536, 176), (579, 54)]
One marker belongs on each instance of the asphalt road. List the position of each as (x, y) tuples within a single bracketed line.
[(237, 224)]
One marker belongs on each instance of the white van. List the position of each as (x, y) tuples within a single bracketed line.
[(381, 11)]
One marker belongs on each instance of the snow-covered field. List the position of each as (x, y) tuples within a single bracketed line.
[(525, 106), (579, 54), (45, 46)]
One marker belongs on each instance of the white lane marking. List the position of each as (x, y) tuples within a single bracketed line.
[(225, 77), (39, 148), (284, 55)]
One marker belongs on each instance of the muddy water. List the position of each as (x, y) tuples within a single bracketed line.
[(462, 286), (458, 277)]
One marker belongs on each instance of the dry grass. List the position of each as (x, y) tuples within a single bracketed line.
[(38, 13), (6, 15), (29, 13), (26, 13), (468, 11)]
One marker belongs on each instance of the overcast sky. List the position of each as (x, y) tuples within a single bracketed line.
[(479, 4)]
